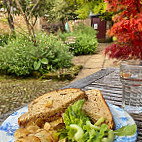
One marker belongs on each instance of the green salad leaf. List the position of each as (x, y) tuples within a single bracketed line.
[(79, 134), (126, 130), (74, 115), (79, 127)]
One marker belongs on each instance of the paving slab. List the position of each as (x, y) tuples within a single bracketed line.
[(95, 62)]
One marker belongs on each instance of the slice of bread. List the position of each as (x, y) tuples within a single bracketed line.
[(96, 107), (49, 107)]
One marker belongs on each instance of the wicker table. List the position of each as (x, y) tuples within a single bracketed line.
[(107, 80)]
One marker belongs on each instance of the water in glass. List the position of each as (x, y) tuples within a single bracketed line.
[(131, 78)]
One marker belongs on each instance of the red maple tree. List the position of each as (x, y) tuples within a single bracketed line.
[(127, 29)]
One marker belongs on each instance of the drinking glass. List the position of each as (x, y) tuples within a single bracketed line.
[(131, 78)]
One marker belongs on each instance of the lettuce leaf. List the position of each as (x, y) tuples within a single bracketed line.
[(128, 130), (78, 127), (74, 115)]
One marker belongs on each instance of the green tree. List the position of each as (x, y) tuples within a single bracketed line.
[(31, 10), (62, 11), (84, 7)]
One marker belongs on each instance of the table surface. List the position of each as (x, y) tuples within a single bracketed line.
[(108, 82)]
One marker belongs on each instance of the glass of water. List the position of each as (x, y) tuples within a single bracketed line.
[(131, 78)]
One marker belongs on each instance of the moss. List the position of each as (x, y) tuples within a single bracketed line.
[(36, 74), (63, 74)]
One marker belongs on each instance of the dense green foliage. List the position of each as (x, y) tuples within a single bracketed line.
[(4, 39), (20, 57), (85, 43), (82, 8)]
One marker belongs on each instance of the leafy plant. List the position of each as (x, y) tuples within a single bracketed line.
[(38, 64), (127, 29), (20, 57), (4, 38), (85, 43)]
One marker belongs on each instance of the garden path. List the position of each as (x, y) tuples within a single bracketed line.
[(95, 62)]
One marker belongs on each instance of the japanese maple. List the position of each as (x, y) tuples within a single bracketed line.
[(127, 29)]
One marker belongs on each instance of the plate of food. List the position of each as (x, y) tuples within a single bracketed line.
[(69, 115)]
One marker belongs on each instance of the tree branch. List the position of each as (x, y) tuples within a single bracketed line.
[(24, 15), (137, 7), (33, 9), (21, 28), (10, 17), (23, 34), (33, 23), (20, 8)]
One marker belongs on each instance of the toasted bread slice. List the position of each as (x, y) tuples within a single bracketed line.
[(50, 106), (96, 107)]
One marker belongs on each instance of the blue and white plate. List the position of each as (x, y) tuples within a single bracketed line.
[(121, 118)]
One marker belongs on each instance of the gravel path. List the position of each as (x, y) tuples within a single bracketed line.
[(16, 93)]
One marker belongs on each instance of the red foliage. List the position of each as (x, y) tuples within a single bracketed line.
[(127, 29)]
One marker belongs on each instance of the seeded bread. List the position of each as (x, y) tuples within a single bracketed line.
[(96, 107), (49, 107)]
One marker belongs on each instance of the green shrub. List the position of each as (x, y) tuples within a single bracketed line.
[(20, 57), (85, 43), (5, 37)]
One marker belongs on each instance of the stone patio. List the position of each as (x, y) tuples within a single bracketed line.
[(94, 63)]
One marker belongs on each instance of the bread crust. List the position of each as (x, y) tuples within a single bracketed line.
[(96, 107)]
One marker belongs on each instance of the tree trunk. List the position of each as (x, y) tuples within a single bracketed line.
[(10, 17), (11, 22), (63, 25)]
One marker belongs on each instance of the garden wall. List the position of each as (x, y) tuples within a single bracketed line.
[(18, 22)]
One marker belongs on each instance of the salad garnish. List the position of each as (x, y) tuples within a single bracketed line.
[(79, 127)]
